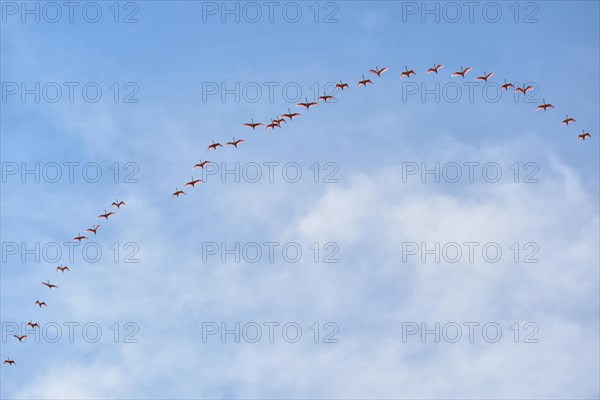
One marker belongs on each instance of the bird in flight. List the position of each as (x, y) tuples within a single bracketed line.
[(364, 82), (117, 203), (178, 192), (274, 124), (568, 120), (235, 142), (50, 285), (41, 303), (325, 97), (202, 164), (10, 362), (435, 69), (93, 229), (407, 73), (193, 182), (79, 238), (33, 325), (106, 215), (584, 135), (544, 106), (524, 89), (485, 77), (252, 124), (291, 115), (342, 85), (307, 104), (20, 337), (507, 85), (214, 145), (378, 71), (62, 269), (462, 71)]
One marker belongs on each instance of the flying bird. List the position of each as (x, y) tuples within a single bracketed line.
[(20, 337), (10, 362), (568, 120), (193, 182), (50, 285), (485, 77), (291, 115), (93, 229), (214, 145), (544, 106), (33, 325), (378, 71), (306, 104), (62, 269), (507, 85), (235, 142), (118, 203), (364, 82), (274, 124), (342, 85), (106, 214), (524, 89), (407, 73), (462, 71), (79, 238), (253, 124), (325, 97), (202, 164), (435, 69), (584, 135), (41, 303), (178, 192)]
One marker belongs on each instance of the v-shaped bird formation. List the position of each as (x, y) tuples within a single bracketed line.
[(364, 82), (276, 123)]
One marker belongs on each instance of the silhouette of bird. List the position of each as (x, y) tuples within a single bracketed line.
[(33, 325), (106, 214), (62, 269), (524, 89), (10, 362), (378, 72), (407, 73), (93, 229), (178, 192), (291, 115), (20, 337), (193, 182), (274, 124), (462, 72), (584, 135), (568, 120), (50, 285), (364, 82), (41, 303), (342, 85), (435, 69), (485, 77), (235, 142), (253, 124), (214, 145), (544, 106), (325, 97), (307, 104), (507, 85), (118, 203), (79, 238), (202, 164)]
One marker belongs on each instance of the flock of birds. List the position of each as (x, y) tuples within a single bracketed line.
[(364, 82), (276, 123), (62, 268)]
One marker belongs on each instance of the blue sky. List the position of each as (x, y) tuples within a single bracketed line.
[(168, 60)]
